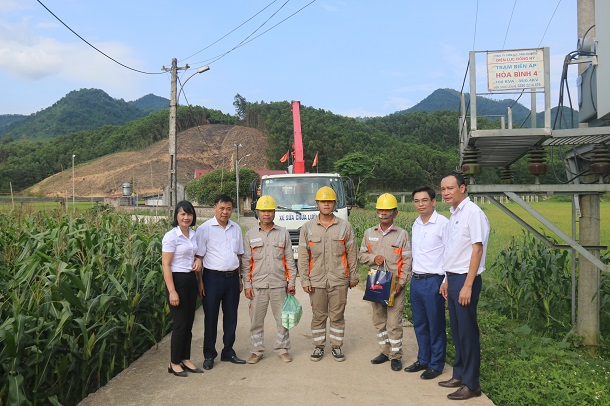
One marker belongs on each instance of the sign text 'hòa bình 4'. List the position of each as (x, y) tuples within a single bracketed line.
[(515, 69)]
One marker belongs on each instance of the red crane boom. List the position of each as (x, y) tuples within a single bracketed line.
[(299, 162)]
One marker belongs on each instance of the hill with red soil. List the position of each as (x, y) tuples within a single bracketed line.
[(204, 147)]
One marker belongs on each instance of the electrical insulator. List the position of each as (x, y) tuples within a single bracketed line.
[(601, 159), (470, 161), (537, 161), (506, 176)]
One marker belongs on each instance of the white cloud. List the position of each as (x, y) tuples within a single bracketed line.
[(7, 6), (30, 57)]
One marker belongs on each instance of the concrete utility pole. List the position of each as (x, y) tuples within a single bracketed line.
[(173, 181), (587, 322)]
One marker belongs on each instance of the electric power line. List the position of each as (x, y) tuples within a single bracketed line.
[(541, 39), (92, 46), (229, 33), (247, 40), (551, 19), (509, 21)]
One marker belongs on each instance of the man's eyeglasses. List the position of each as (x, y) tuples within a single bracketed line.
[(424, 201)]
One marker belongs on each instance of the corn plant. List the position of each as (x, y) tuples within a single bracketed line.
[(80, 299), (536, 281)]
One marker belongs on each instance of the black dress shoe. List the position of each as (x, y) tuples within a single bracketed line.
[(416, 367), (464, 393), (171, 371), (380, 359), (208, 363), (233, 359), (451, 383), (193, 370), (396, 365), (430, 374)]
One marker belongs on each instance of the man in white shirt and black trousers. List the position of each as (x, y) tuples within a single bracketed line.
[(463, 261), (220, 247)]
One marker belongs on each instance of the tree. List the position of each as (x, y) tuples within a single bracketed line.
[(204, 189), (240, 104), (359, 167)]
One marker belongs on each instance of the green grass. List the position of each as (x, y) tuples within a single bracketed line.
[(503, 228)]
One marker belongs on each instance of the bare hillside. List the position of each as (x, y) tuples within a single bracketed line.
[(204, 147)]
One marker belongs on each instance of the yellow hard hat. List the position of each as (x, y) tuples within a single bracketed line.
[(266, 202), (326, 193), (386, 202)]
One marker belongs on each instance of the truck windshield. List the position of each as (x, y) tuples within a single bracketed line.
[(298, 193)]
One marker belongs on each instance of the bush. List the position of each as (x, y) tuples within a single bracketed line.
[(204, 189)]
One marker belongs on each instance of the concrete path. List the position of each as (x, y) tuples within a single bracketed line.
[(272, 382)]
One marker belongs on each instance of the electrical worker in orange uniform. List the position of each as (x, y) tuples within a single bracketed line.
[(389, 244), (268, 274), (328, 266)]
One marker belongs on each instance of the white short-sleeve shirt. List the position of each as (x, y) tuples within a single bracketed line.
[(184, 249), (427, 245), (219, 246), (468, 225)]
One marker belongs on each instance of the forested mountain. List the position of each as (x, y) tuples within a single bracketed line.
[(151, 103), (79, 110), (26, 162), (449, 99), (407, 148), (8, 119)]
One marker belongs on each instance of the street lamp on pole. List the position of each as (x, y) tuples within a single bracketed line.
[(73, 200), (237, 161), (173, 178)]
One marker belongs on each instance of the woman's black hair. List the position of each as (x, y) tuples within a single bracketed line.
[(188, 208)]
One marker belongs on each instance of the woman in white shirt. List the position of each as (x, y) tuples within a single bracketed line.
[(178, 261)]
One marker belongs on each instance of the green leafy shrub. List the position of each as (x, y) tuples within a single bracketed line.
[(204, 189)]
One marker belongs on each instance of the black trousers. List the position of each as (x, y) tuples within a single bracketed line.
[(465, 331), (183, 315), (220, 290)]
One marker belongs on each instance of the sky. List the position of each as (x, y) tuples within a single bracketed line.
[(351, 57)]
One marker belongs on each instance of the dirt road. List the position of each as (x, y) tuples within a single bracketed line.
[(271, 382)]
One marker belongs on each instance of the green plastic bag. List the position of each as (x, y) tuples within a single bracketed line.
[(291, 312)]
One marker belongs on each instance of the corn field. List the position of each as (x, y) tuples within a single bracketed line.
[(80, 299)]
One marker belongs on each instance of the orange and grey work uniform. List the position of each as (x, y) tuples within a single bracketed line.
[(268, 268), (328, 262), (395, 247)]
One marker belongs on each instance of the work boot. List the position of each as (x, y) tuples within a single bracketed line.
[(338, 355), (317, 354), (254, 358)]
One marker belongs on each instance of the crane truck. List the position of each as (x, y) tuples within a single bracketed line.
[(294, 191)]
